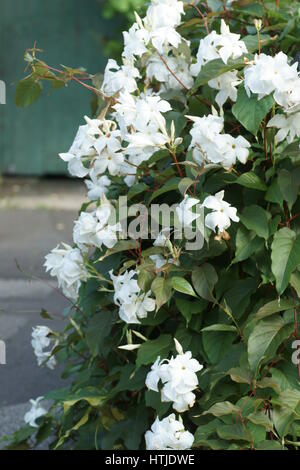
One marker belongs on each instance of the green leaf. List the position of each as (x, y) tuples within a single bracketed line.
[(256, 218), (188, 308), (265, 339), (220, 327), (153, 400), (285, 257), (99, 328), (251, 111), (136, 189), (286, 409), (274, 194), (223, 408), (247, 243), (261, 419), (252, 42), (151, 349), (234, 432), (275, 306), (252, 181), (241, 376), (162, 290), (288, 186), (204, 279), (295, 282), (182, 285), (214, 68), (27, 92), (171, 185)]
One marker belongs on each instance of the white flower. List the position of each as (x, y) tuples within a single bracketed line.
[(223, 46), (210, 145), (226, 84), (135, 41), (270, 74), (97, 186), (289, 126), (222, 212), (179, 379), (94, 228), (133, 303), (207, 51), (163, 237), (162, 17), (109, 160), (118, 78), (233, 149), (66, 263), (184, 211), (137, 308), (41, 339), (229, 44), (35, 412), (168, 434), (81, 147)]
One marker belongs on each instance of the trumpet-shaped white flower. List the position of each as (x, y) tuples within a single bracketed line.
[(226, 84), (288, 125), (168, 434), (118, 78), (133, 303), (135, 41), (229, 44), (110, 161), (97, 186), (35, 412), (184, 211), (163, 237), (97, 228), (179, 379), (271, 74), (81, 147), (223, 46), (66, 263), (138, 308), (41, 340), (210, 145), (222, 213)]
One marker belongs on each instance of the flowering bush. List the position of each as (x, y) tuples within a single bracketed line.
[(185, 345)]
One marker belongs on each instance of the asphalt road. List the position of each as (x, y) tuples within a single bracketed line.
[(29, 229)]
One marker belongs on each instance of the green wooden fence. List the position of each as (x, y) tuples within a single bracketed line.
[(69, 32)]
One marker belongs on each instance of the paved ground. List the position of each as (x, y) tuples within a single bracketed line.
[(35, 215)]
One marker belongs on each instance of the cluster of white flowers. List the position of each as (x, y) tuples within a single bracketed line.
[(276, 75), (169, 433), (93, 228), (35, 412), (41, 340), (133, 304), (66, 263), (220, 217), (210, 145), (224, 46), (179, 379)]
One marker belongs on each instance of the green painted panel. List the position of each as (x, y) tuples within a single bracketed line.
[(69, 32)]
